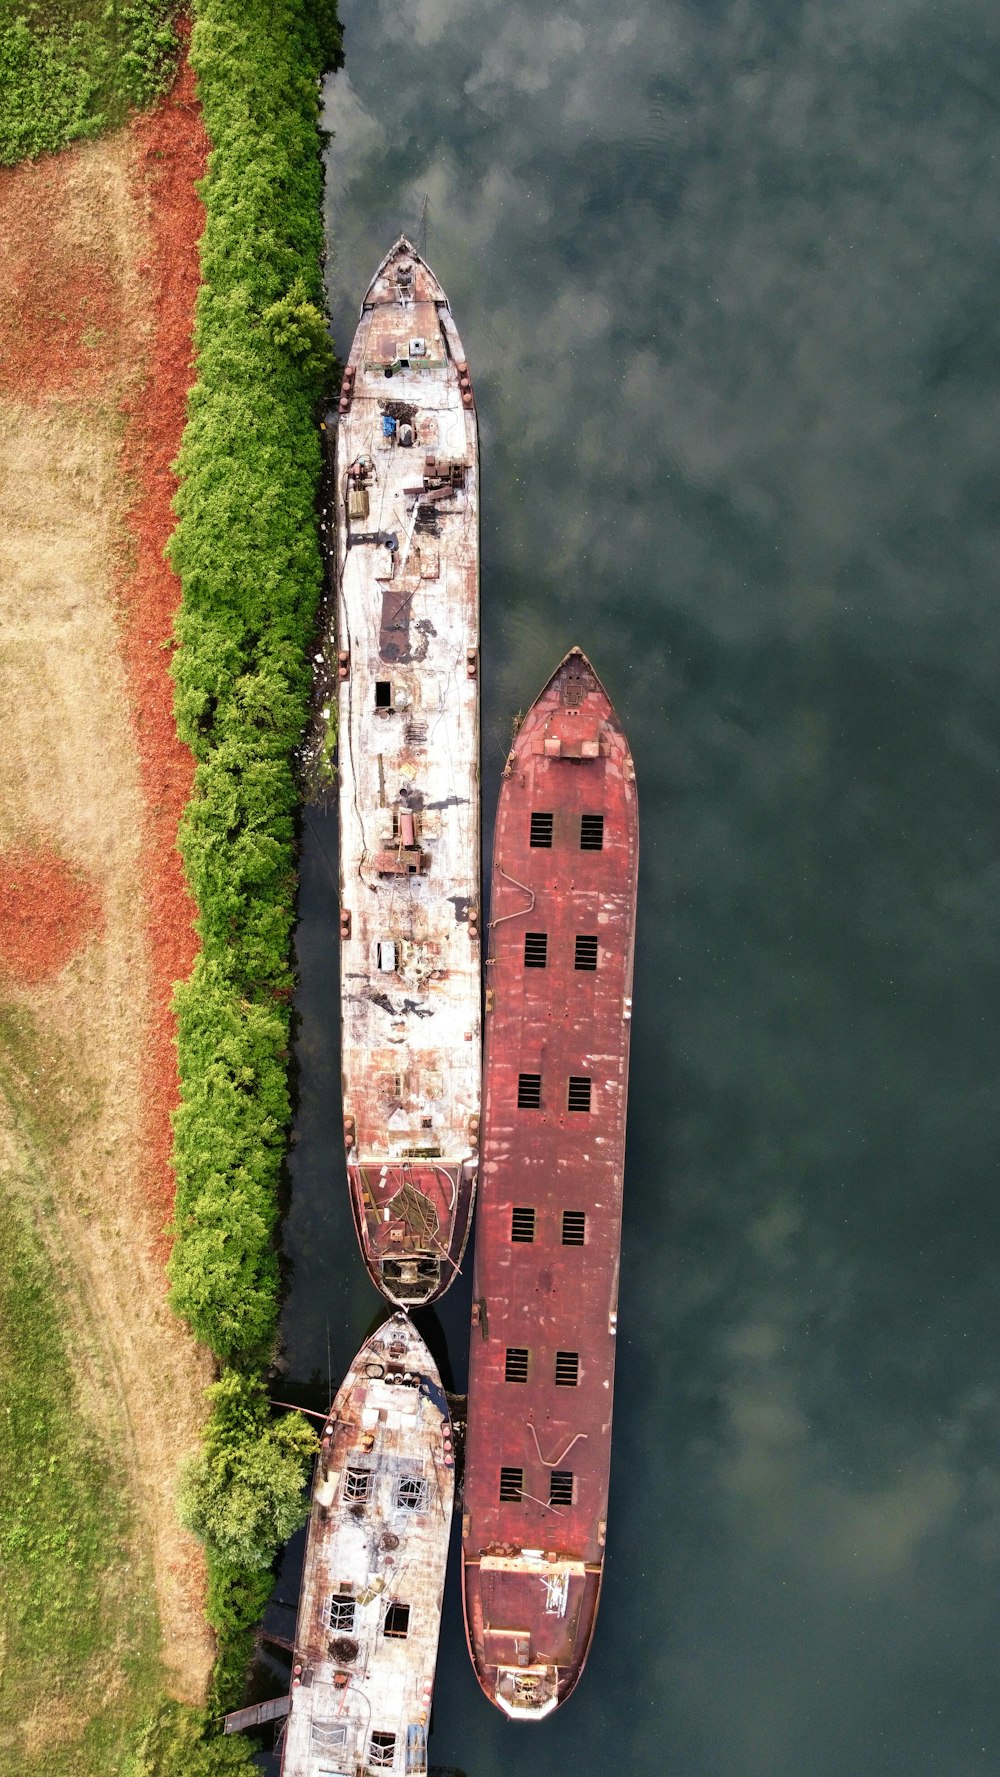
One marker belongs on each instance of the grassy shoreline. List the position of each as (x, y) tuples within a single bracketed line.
[(248, 553)]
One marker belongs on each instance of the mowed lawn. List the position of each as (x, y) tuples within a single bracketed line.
[(80, 1655)]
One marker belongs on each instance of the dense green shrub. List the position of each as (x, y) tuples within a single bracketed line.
[(243, 1491), (64, 80), (246, 547), (247, 551)]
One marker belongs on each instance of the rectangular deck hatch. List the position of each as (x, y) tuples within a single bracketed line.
[(591, 832), (522, 1224), (397, 1622), (411, 1493), (574, 1227), (381, 1751), (561, 1487), (342, 1612), (541, 831), (529, 1092), (536, 946), (516, 1364), (578, 1096), (586, 952), (567, 1369), (511, 1484)]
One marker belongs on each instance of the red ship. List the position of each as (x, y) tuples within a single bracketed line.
[(558, 1009)]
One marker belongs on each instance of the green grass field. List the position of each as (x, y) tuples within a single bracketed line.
[(80, 1658), (71, 68), (82, 1685)]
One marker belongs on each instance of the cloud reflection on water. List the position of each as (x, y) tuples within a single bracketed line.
[(726, 277)]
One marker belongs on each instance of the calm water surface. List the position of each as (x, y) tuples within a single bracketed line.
[(727, 279)]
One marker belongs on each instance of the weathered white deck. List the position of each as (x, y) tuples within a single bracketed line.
[(408, 755), (375, 1566)]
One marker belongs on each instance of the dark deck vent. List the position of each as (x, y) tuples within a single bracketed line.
[(511, 1483), (578, 1097), (591, 832), (567, 1369), (574, 1227), (516, 1366), (529, 1092), (522, 1224), (397, 1622), (586, 952), (536, 945), (561, 1487), (541, 830)]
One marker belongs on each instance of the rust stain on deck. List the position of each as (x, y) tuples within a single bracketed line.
[(407, 470), (370, 1608)]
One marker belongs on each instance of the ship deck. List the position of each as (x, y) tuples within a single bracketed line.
[(407, 475), (370, 1606), (558, 1006)]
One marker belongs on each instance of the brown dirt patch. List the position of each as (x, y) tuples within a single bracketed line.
[(64, 317), (47, 911)]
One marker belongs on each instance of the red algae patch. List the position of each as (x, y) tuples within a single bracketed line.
[(62, 315), (48, 910)]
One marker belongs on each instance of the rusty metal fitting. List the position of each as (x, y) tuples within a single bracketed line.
[(345, 922), (471, 662), (349, 1128), (466, 397), (343, 663)]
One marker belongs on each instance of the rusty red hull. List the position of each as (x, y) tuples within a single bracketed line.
[(558, 1009)]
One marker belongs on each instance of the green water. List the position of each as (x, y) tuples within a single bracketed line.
[(727, 280)]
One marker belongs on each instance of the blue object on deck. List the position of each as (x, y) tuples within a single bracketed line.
[(388, 425)]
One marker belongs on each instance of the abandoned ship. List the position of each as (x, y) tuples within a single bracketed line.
[(545, 1293), (369, 1612), (407, 470)]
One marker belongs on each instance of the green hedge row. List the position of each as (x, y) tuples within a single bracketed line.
[(247, 551), (80, 75)]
